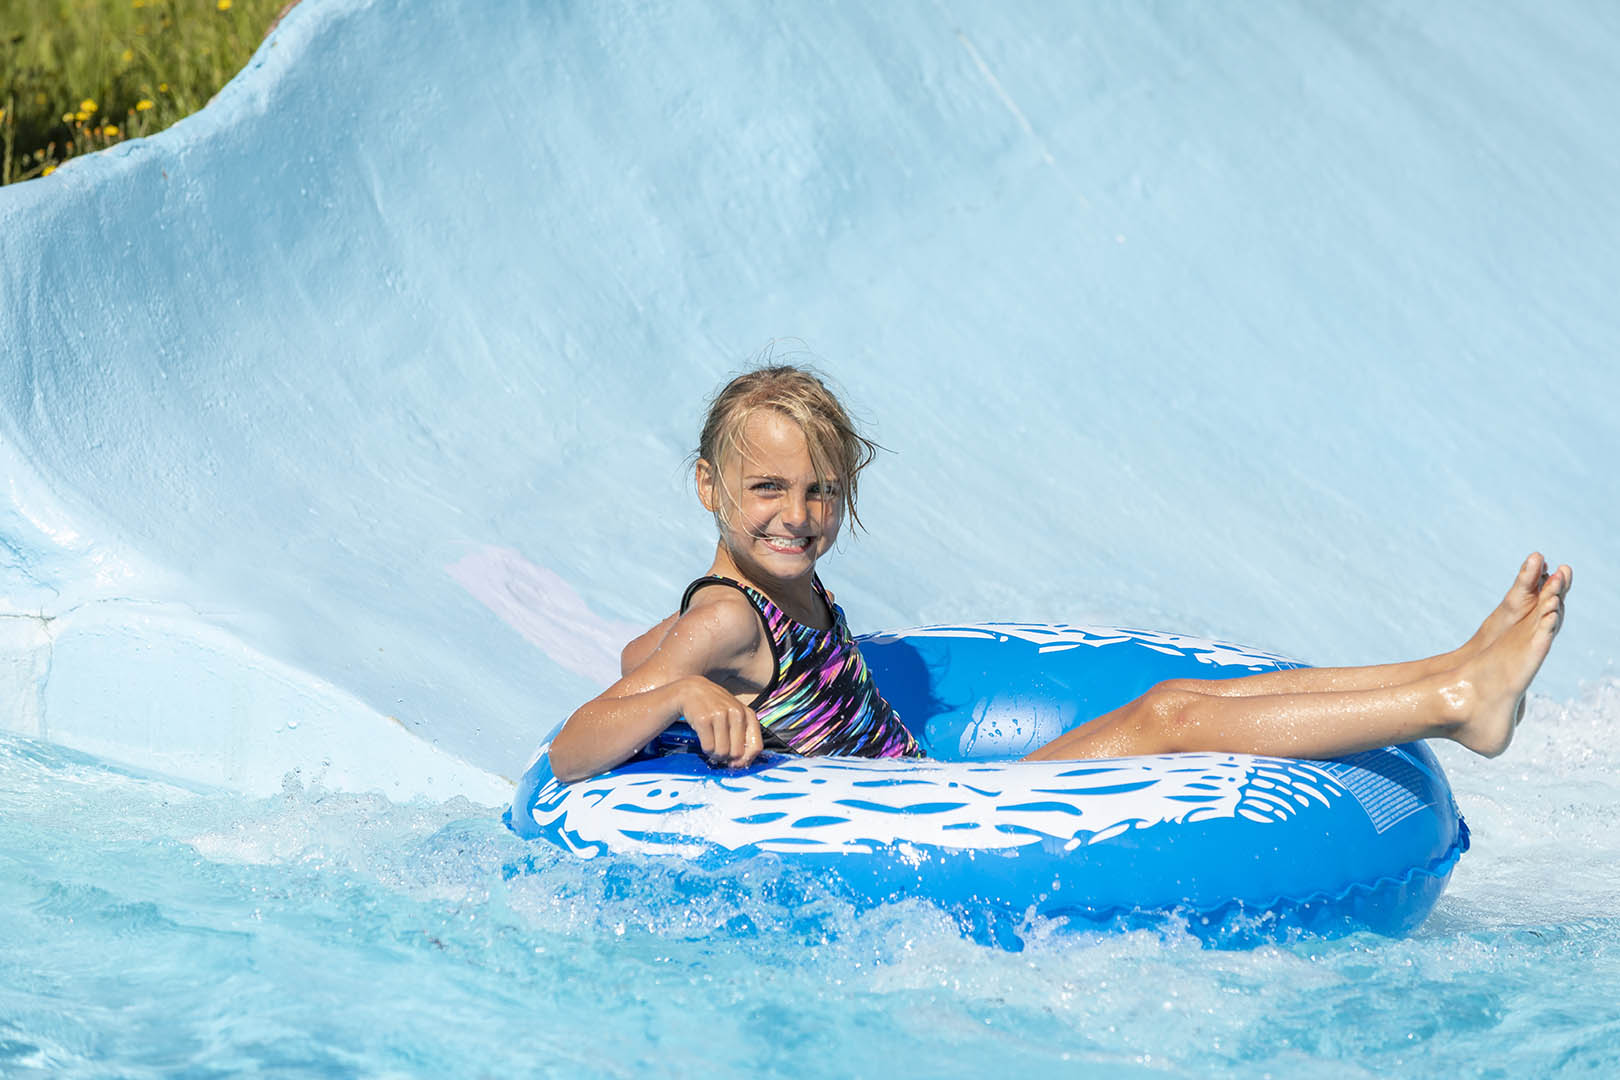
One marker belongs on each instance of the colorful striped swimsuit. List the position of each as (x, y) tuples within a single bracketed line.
[(821, 699)]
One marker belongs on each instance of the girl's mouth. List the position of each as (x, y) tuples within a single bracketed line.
[(792, 545)]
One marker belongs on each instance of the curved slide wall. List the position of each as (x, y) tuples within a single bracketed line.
[(342, 424)]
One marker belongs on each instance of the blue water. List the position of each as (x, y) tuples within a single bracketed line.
[(156, 931), (341, 430)]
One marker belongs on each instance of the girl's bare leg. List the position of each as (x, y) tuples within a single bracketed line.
[(1477, 703), (1520, 599)]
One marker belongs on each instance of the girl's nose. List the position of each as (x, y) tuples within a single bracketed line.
[(797, 511)]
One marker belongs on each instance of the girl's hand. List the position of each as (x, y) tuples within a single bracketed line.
[(720, 635), (727, 729)]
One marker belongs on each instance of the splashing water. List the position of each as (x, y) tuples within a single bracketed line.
[(1204, 316), (165, 929)]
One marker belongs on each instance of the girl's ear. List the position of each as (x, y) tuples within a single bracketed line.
[(706, 486)]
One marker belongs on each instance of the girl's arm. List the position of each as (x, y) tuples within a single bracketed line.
[(636, 653), (717, 638)]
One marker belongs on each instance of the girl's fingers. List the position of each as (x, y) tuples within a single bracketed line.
[(749, 742), (705, 735), (730, 736), (753, 738), (722, 739)]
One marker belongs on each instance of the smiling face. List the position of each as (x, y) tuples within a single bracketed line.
[(776, 517)]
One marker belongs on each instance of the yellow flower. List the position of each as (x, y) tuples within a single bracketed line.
[(129, 54), (67, 117), (142, 105), (88, 105), (223, 5), (81, 117), (137, 4), (110, 129), (163, 88), (48, 170)]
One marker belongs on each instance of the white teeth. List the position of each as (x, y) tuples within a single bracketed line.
[(787, 543)]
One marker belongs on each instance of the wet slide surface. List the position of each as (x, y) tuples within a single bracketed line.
[(343, 424)]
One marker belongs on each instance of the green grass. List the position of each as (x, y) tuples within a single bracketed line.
[(81, 75)]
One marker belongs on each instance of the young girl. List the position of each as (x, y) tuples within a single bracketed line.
[(759, 657)]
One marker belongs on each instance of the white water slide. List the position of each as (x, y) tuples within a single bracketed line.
[(342, 425)]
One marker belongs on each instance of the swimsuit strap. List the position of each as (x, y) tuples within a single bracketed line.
[(764, 620), (820, 699)]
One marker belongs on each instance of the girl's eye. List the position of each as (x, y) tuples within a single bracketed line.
[(815, 491)]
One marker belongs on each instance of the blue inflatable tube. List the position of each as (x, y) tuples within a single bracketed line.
[(1238, 849)]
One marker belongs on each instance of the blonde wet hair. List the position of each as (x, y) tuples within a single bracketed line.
[(838, 450)]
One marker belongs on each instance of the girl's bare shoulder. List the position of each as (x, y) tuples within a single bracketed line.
[(724, 619)]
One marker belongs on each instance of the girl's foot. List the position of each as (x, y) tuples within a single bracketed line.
[(1492, 685), (1520, 600)]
